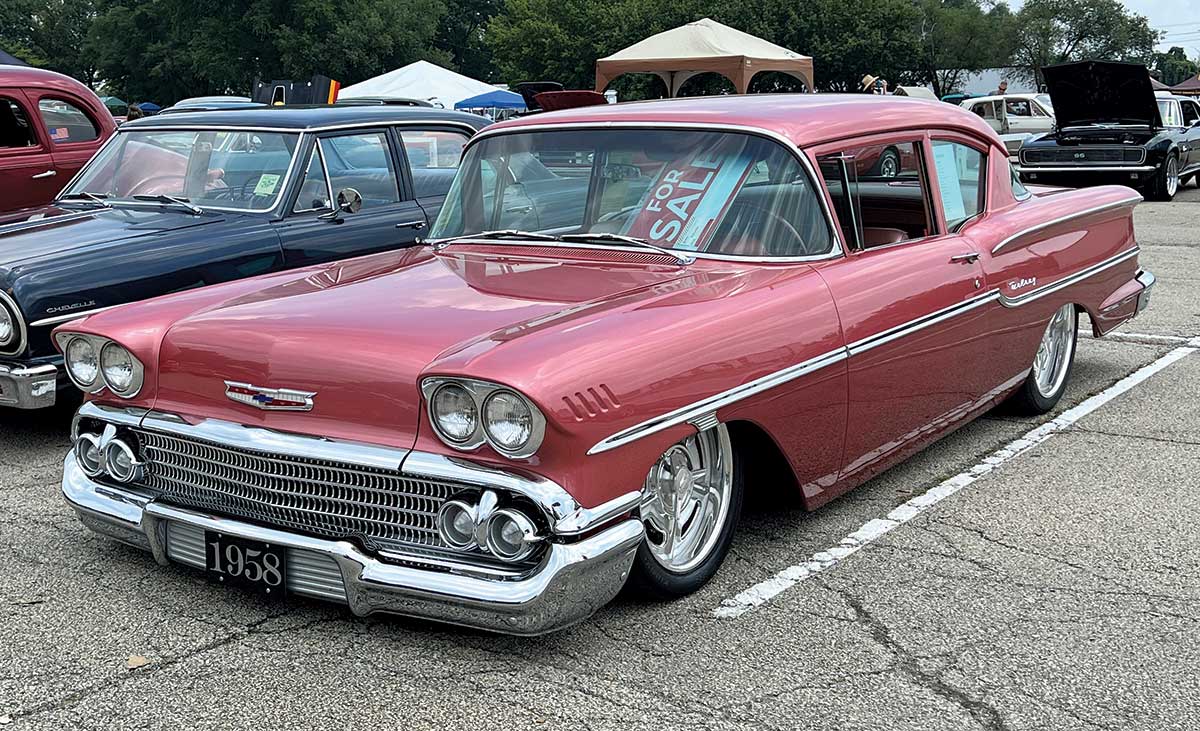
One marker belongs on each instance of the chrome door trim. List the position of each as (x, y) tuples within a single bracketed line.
[(1065, 218), (912, 326), (1036, 294), (838, 246), (700, 409)]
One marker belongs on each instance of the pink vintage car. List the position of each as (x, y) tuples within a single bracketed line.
[(628, 317)]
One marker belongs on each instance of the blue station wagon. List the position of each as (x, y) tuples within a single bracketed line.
[(191, 199)]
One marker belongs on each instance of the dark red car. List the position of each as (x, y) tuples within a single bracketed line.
[(50, 125)]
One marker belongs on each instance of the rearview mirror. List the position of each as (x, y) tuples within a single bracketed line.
[(349, 200)]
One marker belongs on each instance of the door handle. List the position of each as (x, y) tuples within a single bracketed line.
[(965, 258), (418, 225), (47, 174)]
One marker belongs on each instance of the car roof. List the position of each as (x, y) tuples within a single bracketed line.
[(804, 119), (13, 75), (306, 118)]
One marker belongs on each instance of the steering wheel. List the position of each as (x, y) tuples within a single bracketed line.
[(796, 244)]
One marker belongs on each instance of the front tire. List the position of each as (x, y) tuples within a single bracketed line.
[(889, 164), (1166, 182), (1047, 380), (694, 500)]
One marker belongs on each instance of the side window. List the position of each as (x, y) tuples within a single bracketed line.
[(1037, 111), (1018, 108), (879, 190), (15, 130), (314, 191), (66, 122), (960, 180), (1190, 113), (433, 158), (985, 110), (362, 162)]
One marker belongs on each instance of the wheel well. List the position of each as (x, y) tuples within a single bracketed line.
[(764, 465)]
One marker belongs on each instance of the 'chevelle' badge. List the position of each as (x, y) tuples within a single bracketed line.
[(270, 399)]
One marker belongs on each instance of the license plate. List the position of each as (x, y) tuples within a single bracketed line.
[(260, 567)]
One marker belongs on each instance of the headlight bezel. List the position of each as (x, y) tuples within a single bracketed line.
[(481, 391), (101, 381), (16, 342)]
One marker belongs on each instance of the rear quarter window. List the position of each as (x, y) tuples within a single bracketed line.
[(66, 122)]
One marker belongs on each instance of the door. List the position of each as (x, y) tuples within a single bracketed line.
[(1190, 147), (1022, 117), (992, 112), (74, 136), (27, 173), (360, 161), (911, 297)]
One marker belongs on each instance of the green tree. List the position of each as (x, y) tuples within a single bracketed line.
[(50, 34), (1174, 67), (163, 50), (1057, 31), (461, 34), (957, 37)]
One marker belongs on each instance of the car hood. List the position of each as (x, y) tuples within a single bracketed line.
[(1089, 92), (36, 233), (361, 333)]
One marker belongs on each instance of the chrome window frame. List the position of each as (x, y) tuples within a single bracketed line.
[(837, 249), (320, 153)]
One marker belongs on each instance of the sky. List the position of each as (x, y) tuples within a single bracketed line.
[(1179, 19)]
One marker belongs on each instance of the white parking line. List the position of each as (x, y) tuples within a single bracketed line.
[(1141, 338), (871, 531)]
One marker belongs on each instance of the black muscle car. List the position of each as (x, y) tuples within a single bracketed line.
[(1111, 127), (191, 199)]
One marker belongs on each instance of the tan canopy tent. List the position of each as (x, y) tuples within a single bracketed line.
[(696, 48)]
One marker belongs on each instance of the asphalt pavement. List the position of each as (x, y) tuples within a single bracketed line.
[(1059, 589)]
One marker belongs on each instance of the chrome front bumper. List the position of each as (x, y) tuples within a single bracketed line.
[(572, 581), (28, 386)]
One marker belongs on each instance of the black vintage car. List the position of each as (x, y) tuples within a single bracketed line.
[(191, 199), (1112, 128)]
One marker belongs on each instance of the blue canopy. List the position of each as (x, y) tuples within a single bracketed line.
[(498, 99), (149, 107)]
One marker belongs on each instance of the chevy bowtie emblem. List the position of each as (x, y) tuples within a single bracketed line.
[(269, 399)]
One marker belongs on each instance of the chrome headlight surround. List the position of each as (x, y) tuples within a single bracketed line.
[(13, 343), (480, 392), (101, 381)]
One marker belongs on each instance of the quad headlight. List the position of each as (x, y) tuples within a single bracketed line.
[(94, 363), (467, 413), (8, 327)]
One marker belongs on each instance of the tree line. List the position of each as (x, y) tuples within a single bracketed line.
[(163, 50)]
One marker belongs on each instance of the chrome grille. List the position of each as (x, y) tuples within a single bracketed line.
[(382, 509), (1083, 155)]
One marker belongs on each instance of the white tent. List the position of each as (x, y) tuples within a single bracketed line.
[(679, 54), (420, 80)]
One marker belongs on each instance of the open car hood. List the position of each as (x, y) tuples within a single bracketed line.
[(1090, 92)]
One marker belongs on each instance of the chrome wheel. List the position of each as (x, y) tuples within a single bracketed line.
[(687, 499), (889, 164), (1053, 357), (1172, 177)]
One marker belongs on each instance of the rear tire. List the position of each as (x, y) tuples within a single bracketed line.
[(696, 490), (1051, 370)]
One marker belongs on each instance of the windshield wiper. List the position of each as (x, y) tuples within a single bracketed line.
[(439, 244), (162, 198), (683, 259), (97, 198)]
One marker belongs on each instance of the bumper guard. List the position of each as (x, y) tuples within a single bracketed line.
[(28, 387)]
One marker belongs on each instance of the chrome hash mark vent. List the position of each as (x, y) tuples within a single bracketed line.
[(592, 402), (328, 499)]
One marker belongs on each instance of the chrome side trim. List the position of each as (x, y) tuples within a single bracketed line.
[(933, 318), (1065, 282), (1065, 218), (834, 234), (302, 130), (718, 401), (16, 347), (60, 319)]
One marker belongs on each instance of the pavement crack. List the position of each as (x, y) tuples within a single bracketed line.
[(1142, 437)]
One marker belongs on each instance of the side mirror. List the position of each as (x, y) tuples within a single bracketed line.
[(349, 200)]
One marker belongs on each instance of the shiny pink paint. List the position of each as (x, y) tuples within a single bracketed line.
[(602, 340), (26, 87)]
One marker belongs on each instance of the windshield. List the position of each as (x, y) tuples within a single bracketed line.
[(220, 169), (1044, 100), (1168, 109), (715, 192)]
